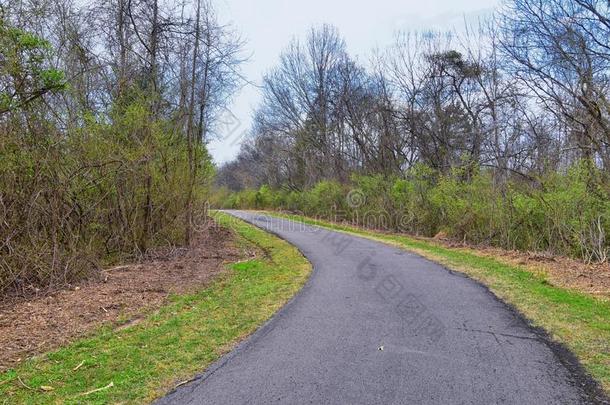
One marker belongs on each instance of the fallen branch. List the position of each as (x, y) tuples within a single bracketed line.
[(79, 365), (96, 390), (22, 383), (182, 383)]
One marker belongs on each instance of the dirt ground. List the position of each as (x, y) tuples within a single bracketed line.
[(32, 326), (560, 271)]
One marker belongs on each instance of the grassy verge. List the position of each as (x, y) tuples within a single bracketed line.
[(579, 321), (140, 363)]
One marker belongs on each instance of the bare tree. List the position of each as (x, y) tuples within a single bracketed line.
[(559, 49)]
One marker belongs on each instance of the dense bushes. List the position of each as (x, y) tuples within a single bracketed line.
[(103, 188), (105, 112), (567, 213), (107, 191)]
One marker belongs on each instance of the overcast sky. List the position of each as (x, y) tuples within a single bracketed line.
[(269, 25)]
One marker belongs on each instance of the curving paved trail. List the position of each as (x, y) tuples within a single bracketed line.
[(378, 325)]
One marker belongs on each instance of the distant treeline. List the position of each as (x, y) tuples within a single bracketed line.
[(568, 216), (525, 92), (509, 117), (105, 109)]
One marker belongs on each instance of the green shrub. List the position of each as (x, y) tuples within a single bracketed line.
[(411, 197), (565, 213), (324, 200), (103, 192)]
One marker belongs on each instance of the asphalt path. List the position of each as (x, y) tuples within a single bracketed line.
[(379, 325)]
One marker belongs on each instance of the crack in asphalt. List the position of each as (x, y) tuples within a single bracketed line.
[(495, 334)]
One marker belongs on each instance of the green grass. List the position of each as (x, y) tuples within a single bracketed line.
[(182, 338), (579, 321)]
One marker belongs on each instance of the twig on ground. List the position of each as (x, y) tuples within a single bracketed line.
[(79, 365), (181, 383), (96, 390), (22, 383)]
